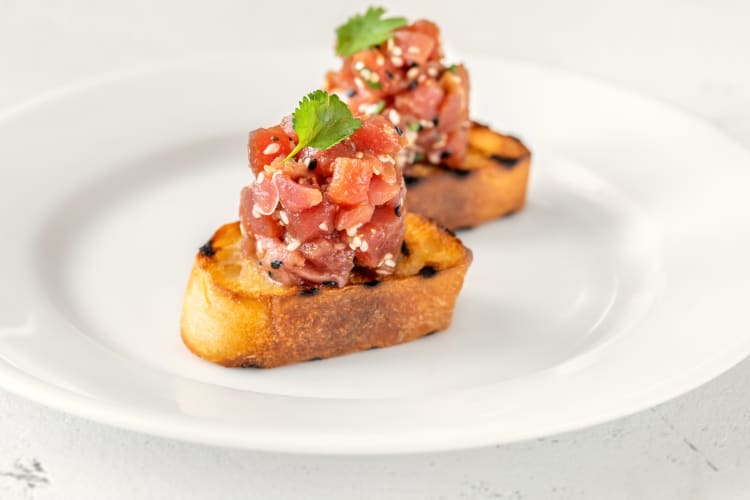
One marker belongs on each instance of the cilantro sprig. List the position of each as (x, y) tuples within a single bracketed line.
[(364, 31), (322, 121)]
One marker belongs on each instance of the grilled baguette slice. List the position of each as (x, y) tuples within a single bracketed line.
[(490, 184), (234, 315)]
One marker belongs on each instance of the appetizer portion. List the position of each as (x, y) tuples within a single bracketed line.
[(324, 260), (397, 70)]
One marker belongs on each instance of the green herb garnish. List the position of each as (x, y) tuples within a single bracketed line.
[(367, 76), (451, 68), (364, 31), (321, 121), (415, 127), (377, 107)]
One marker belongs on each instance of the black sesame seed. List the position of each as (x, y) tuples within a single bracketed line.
[(313, 164), (436, 121), (276, 264), (330, 283), (371, 284), (270, 274), (397, 210), (207, 250), (445, 154), (399, 131), (411, 181), (309, 292), (351, 93), (428, 272), (274, 138), (389, 75), (412, 85), (405, 249), (505, 161), (411, 65)]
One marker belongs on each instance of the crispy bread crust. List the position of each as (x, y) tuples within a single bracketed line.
[(234, 315), (491, 183)]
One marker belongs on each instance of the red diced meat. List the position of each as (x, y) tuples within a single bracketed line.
[(378, 136), (305, 219), (294, 196), (266, 144), (351, 181)]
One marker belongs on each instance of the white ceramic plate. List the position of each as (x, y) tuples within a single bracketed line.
[(624, 282)]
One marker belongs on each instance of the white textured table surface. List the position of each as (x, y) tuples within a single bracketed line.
[(692, 54)]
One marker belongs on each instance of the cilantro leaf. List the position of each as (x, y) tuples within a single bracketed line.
[(321, 121), (364, 31)]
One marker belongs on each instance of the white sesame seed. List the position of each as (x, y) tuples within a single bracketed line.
[(359, 65), (385, 158), (261, 177), (380, 61), (397, 61), (306, 161), (359, 155), (359, 83), (388, 256), (353, 230), (397, 51), (383, 271), (284, 217), (414, 50), (323, 226), (433, 72), (390, 263), (256, 211), (272, 148), (412, 73), (356, 242), (421, 78), (366, 73), (374, 77), (434, 157), (293, 245), (394, 116), (376, 170), (364, 246), (339, 246), (389, 44)]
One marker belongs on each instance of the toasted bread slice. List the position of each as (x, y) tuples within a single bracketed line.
[(491, 182), (234, 315)]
